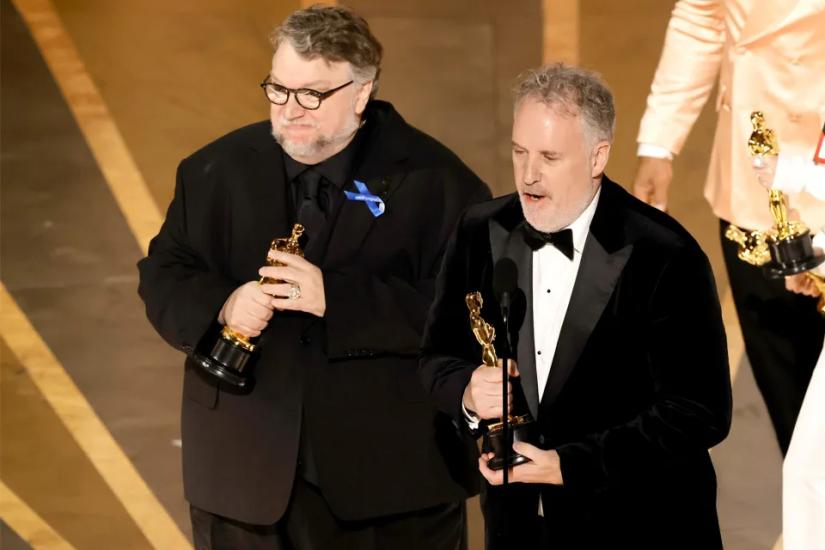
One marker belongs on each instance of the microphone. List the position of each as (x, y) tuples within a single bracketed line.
[(505, 283)]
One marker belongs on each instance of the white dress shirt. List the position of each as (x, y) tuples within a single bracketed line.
[(554, 275), (553, 278)]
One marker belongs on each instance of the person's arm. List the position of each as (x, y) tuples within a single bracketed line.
[(182, 292), (797, 172), (691, 409), (793, 173), (445, 363), (687, 70)]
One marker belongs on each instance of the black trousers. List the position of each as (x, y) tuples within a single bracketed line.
[(783, 337), (309, 525)]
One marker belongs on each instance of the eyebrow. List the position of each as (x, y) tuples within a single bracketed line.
[(311, 85), (544, 152)]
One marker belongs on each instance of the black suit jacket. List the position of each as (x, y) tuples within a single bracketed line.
[(638, 389), (379, 446)]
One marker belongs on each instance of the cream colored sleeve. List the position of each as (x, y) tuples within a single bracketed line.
[(688, 69), (795, 173)]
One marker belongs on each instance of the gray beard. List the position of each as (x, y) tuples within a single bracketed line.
[(314, 148)]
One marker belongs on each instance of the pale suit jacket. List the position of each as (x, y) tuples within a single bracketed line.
[(768, 55)]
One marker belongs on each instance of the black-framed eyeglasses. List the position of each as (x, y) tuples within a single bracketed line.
[(306, 97)]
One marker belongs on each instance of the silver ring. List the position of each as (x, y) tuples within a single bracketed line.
[(294, 292)]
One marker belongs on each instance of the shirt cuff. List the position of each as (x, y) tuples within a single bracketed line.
[(819, 242), (655, 151), (471, 418)]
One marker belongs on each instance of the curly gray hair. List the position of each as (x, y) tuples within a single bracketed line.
[(575, 91), (333, 33)]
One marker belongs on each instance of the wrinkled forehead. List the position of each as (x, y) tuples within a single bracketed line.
[(560, 105), (535, 114), (293, 69)]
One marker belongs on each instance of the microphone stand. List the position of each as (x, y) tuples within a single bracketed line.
[(505, 427), (505, 378)]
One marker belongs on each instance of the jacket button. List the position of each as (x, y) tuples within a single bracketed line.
[(305, 340)]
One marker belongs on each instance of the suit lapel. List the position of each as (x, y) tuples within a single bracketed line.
[(602, 263), (265, 210), (269, 193), (379, 163), (769, 16), (354, 220), (505, 241), (518, 250)]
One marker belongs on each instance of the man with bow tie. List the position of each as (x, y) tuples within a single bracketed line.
[(621, 356)]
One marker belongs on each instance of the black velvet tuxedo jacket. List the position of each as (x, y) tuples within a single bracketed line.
[(351, 376), (639, 386)]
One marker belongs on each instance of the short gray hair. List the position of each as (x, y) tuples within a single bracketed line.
[(333, 33), (576, 91)]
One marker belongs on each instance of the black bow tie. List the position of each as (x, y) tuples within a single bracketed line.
[(535, 239)]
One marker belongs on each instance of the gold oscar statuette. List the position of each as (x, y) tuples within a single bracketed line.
[(232, 351), (786, 248), (520, 426)]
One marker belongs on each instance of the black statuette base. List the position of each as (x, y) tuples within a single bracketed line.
[(520, 429), (227, 362), (791, 256)]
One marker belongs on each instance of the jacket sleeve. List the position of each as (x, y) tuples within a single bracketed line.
[(691, 408), (182, 292), (444, 365), (369, 314), (688, 68)]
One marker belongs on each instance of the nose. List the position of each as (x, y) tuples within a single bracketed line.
[(292, 109), (532, 174)]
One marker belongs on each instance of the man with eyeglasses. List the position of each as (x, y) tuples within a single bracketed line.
[(336, 445)]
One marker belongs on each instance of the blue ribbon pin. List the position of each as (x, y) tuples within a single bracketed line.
[(374, 203)]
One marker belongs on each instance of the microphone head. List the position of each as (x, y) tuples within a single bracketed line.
[(505, 278)]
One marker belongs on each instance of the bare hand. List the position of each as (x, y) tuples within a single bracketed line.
[(544, 467), (653, 177), (765, 169), (801, 284), (483, 394), (296, 271), (247, 310)]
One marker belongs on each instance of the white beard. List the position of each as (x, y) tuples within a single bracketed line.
[(320, 144)]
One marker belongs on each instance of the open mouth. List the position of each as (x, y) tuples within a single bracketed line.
[(530, 197)]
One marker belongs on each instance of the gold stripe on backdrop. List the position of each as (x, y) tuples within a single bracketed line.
[(736, 347), (560, 37), (87, 429), (28, 525), (86, 104)]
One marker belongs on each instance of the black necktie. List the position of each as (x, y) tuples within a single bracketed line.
[(535, 239), (310, 211)]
